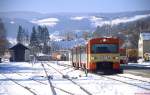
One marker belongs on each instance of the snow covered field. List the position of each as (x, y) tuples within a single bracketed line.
[(21, 78)]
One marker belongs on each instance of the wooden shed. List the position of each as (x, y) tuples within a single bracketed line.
[(19, 53)]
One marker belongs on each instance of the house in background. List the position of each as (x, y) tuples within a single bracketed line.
[(144, 45), (19, 53)]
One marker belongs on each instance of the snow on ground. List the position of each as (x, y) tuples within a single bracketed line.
[(140, 64), (22, 78)]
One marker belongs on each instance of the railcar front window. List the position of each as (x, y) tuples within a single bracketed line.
[(104, 48)]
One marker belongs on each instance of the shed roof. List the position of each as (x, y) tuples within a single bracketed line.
[(18, 45)]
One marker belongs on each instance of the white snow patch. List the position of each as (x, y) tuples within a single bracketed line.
[(78, 18), (94, 18), (97, 21), (100, 22), (48, 22), (55, 36), (12, 22), (140, 64), (125, 19), (12, 41)]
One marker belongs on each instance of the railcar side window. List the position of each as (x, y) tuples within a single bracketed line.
[(104, 48)]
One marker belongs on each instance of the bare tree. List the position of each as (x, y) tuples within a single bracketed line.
[(3, 40)]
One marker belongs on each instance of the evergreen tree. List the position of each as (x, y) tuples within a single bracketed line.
[(20, 35), (46, 49), (43, 34), (43, 38), (39, 34), (34, 43), (46, 35), (39, 40), (27, 38), (34, 38)]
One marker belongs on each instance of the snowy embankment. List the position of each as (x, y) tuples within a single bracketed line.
[(30, 79)]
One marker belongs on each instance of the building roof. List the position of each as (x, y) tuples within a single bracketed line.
[(18, 46), (145, 35)]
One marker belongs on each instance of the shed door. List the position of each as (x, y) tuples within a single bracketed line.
[(19, 55)]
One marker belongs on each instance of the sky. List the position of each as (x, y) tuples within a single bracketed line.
[(74, 6)]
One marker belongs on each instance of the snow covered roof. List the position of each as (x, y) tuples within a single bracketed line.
[(145, 35)]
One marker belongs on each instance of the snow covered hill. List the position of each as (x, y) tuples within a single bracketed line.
[(66, 22)]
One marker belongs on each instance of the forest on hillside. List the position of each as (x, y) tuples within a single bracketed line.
[(127, 32)]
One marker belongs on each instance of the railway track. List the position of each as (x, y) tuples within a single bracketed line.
[(49, 80), (25, 87), (129, 81), (134, 79), (64, 91), (59, 76), (82, 88), (52, 86), (123, 79), (32, 79), (31, 90), (67, 67)]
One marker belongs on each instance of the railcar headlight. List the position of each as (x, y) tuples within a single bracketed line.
[(93, 58), (116, 57)]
